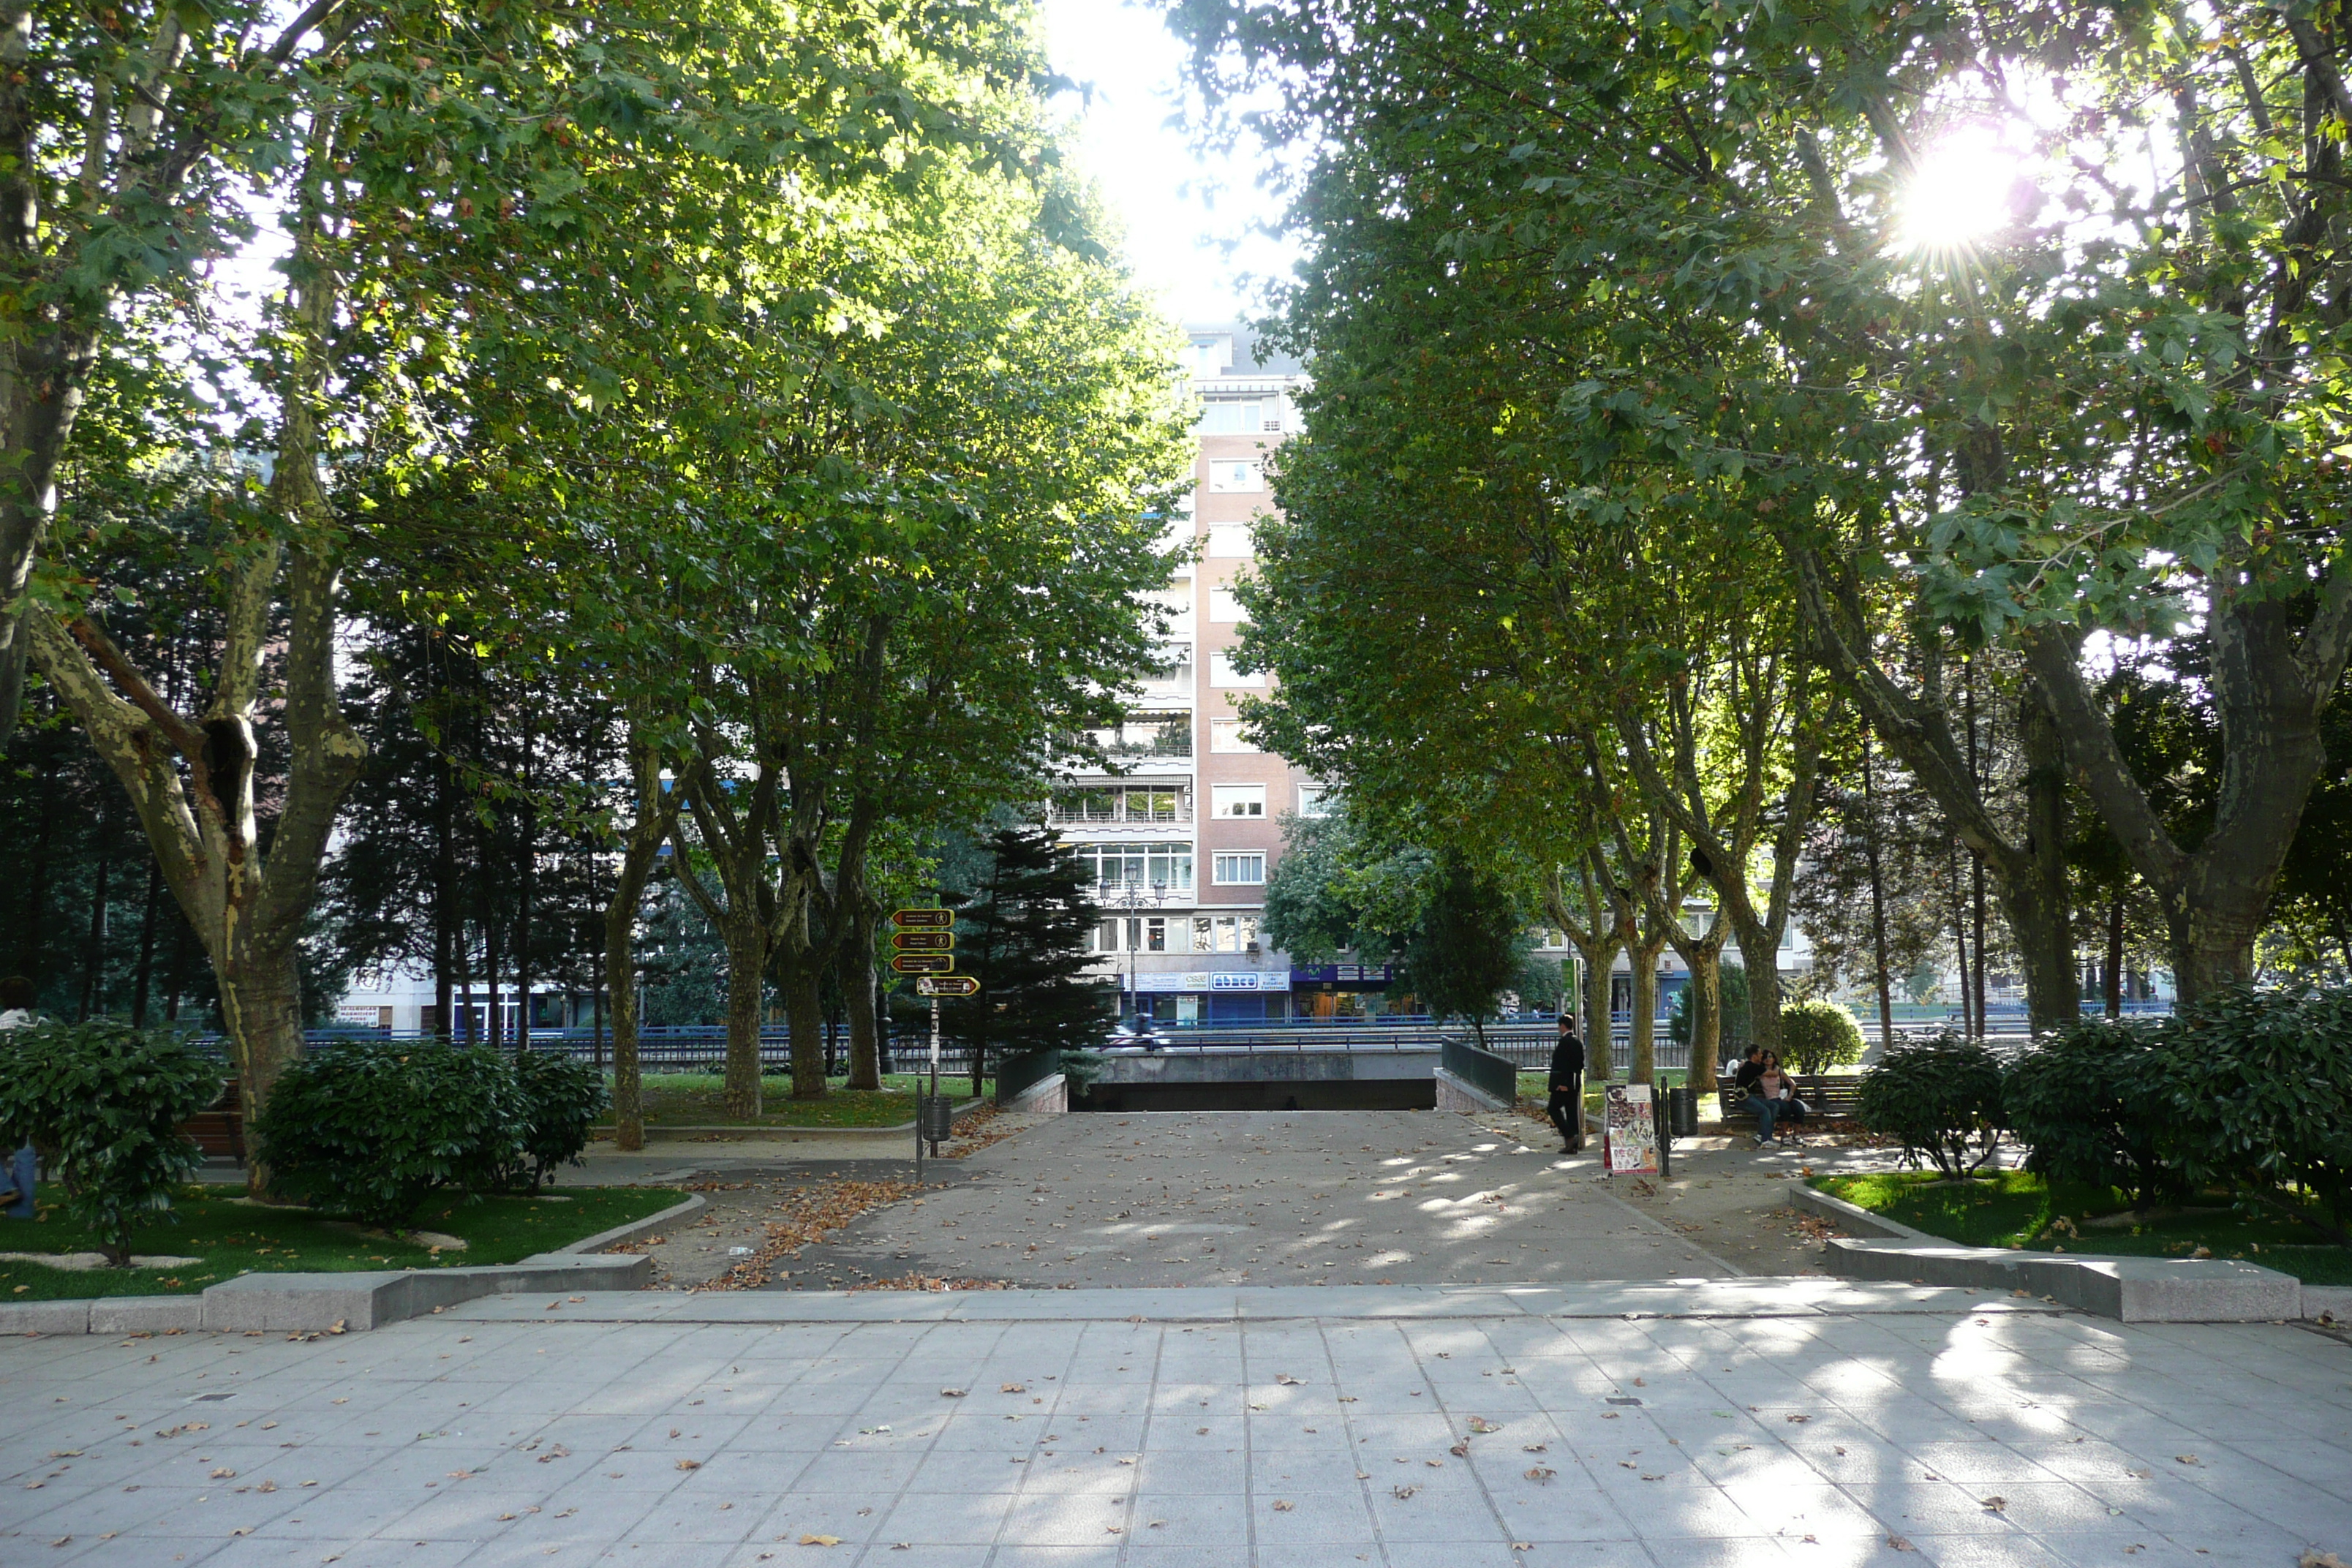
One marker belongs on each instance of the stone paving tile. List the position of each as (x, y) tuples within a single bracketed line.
[(2079, 1428)]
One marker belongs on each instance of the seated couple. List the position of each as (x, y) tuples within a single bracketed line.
[(1773, 1096)]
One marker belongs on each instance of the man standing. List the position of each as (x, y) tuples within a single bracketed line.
[(1566, 1106)]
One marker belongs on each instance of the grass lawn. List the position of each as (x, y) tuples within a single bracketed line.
[(692, 1099), (230, 1239), (2015, 1208)]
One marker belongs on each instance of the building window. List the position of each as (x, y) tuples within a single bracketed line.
[(1226, 736), (1237, 800), (1223, 673), (1134, 803), (1231, 538), (1240, 870), (1224, 934), (1142, 865), (1230, 416), (1315, 800), (1168, 734), (1236, 476)]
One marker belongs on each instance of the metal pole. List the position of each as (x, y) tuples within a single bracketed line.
[(935, 1065)]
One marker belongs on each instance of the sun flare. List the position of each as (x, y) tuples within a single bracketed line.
[(1963, 191)]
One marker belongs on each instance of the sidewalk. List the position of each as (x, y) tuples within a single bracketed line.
[(1905, 1428)]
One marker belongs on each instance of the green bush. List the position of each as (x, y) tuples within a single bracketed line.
[(562, 1098), (2261, 1084), (1941, 1096), (373, 1128), (1819, 1035), (2091, 1102), (103, 1102)]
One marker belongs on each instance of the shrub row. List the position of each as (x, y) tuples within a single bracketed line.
[(2248, 1089), (373, 1128)]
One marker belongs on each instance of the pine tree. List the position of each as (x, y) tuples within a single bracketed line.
[(1023, 938)]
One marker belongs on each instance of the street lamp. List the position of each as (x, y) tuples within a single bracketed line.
[(1131, 898)]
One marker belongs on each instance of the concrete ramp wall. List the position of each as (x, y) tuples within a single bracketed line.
[(1232, 1080)]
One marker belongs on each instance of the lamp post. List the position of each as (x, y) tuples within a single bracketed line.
[(1130, 898)]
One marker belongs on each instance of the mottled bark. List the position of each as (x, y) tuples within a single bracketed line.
[(640, 847)]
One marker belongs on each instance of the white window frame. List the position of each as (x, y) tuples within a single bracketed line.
[(1223, 673), (1243, 862), (1236, 476), (1246, 801), (1231, 541)]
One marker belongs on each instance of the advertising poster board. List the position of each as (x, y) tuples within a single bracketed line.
[(1629, 1131)]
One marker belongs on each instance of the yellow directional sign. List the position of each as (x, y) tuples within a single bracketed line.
[(924, 964), (923, 940), (923, 920), (947, 986)]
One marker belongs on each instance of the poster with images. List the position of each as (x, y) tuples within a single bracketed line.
[(1630, 1131)]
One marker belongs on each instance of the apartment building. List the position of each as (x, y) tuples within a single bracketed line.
[(1184, 830)]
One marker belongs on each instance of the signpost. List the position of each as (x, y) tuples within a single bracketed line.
[(924, 945), (1628, 1138), (947, 986)]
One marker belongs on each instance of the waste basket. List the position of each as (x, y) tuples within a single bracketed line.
[(1681, 1112)]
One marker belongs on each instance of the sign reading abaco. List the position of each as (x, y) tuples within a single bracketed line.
[(923, 940), (924, 964), (923, 920), (1629, 1131), (947, 986)]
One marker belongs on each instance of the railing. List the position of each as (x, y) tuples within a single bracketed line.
[(1496, 1075)]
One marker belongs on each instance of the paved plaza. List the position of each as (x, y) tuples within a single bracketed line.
[(1185, 1198), (1402, 1339), (1914, 1428)]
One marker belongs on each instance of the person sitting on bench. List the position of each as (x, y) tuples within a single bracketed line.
[(1768, 1097)]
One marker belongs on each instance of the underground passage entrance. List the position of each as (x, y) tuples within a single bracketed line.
[(1245, 1078)]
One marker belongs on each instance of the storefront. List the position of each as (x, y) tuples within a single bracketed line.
[(1215, 996), (1335, 992)]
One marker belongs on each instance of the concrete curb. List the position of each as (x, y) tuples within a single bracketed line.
[(1855, 1217), (629, 1232), (309, 1303), (740, 1131), (318, 1302), (2129, 1289)]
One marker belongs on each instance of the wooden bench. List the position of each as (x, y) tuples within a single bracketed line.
[(1827, 1098), (218, 1132)]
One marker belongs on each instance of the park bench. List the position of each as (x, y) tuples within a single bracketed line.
[(219, 1131), (1827, 1098)]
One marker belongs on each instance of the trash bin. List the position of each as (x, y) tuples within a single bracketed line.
[(1681, 1112), (939, 1118)]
